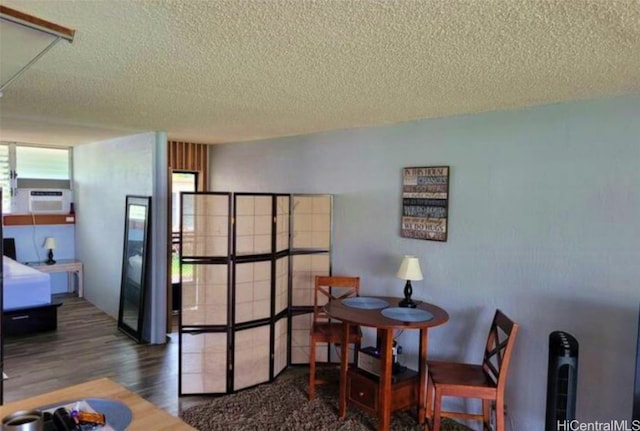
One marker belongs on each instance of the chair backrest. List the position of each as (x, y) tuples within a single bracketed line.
[(329, 288), (499, 348)]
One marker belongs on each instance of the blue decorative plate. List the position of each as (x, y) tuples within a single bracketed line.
[(118, 415), (407, 314), (365, 302)]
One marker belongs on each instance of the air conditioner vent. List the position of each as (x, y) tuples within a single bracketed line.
[(36, 201)]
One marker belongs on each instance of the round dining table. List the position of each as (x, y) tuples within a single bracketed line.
[(383, 314)]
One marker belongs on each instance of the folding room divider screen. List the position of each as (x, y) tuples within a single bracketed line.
[(247, 267)]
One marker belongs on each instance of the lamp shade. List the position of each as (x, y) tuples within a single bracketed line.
[(50, 243), (409, 269)]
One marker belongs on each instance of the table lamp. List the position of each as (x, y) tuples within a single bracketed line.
[(410, 271), (50, 243)]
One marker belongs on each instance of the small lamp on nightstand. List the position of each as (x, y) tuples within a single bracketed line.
[(50, 244), (409, 270)]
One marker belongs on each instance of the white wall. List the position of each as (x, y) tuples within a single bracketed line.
[(104, 173), (544, 224)]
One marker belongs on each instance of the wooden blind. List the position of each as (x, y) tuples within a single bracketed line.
[(187, 156)]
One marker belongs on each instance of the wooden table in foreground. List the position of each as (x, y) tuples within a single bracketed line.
[(146, 416), (385, 326)]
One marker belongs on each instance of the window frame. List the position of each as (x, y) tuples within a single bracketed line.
[(14, 175)]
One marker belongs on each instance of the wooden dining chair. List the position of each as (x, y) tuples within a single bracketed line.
[(326, 330), (485, 381)]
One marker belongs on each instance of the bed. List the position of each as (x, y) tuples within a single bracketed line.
[(24, 286), (27, 305)]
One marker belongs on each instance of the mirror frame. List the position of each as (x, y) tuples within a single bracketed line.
[(1, 311), (135, 333)]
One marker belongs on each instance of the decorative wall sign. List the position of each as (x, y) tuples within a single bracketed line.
[(425, 203)]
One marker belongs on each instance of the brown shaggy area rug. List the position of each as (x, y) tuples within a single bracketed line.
[(282, 406)]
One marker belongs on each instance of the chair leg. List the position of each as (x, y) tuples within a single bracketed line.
[(312, 370), (429, 407), (486, 414), (500, 415), (437, 410)]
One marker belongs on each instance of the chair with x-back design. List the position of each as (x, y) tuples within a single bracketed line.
[(325, 330), (485, 381)]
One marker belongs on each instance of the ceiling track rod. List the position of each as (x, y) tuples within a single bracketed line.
[(36, 23), (28, 65)]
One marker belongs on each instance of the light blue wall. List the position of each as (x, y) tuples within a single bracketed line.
[(544, 224), (29, 241)]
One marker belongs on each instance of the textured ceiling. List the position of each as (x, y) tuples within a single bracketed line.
[(236, 70)]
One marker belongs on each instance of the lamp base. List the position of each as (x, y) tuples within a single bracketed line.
[(407, 303), (50, 260)]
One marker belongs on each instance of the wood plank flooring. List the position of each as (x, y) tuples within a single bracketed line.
[(87, 345)]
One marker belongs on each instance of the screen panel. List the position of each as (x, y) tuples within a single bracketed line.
[(280, 346), (205, 225), (302, 222), (204, 294), (311, 222), (253, 291), (251, 354), (282, 284), (253, 224), (282, 223), (203, 359), (305, 267), (300, 342)]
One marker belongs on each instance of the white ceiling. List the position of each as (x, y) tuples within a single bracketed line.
[(236, 70)]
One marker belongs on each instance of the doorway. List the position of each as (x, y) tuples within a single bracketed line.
[(181, 181)]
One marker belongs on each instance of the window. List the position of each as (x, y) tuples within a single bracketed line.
[(23, 165), (5, 177), (42, 163)]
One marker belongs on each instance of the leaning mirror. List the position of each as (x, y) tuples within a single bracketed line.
[(134, 266)]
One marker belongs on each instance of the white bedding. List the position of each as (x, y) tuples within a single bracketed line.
[(24, 286)]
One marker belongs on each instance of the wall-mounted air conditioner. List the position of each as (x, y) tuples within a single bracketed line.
[(43, 201)]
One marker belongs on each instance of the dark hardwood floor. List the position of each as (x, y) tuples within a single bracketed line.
[(87, 345)]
